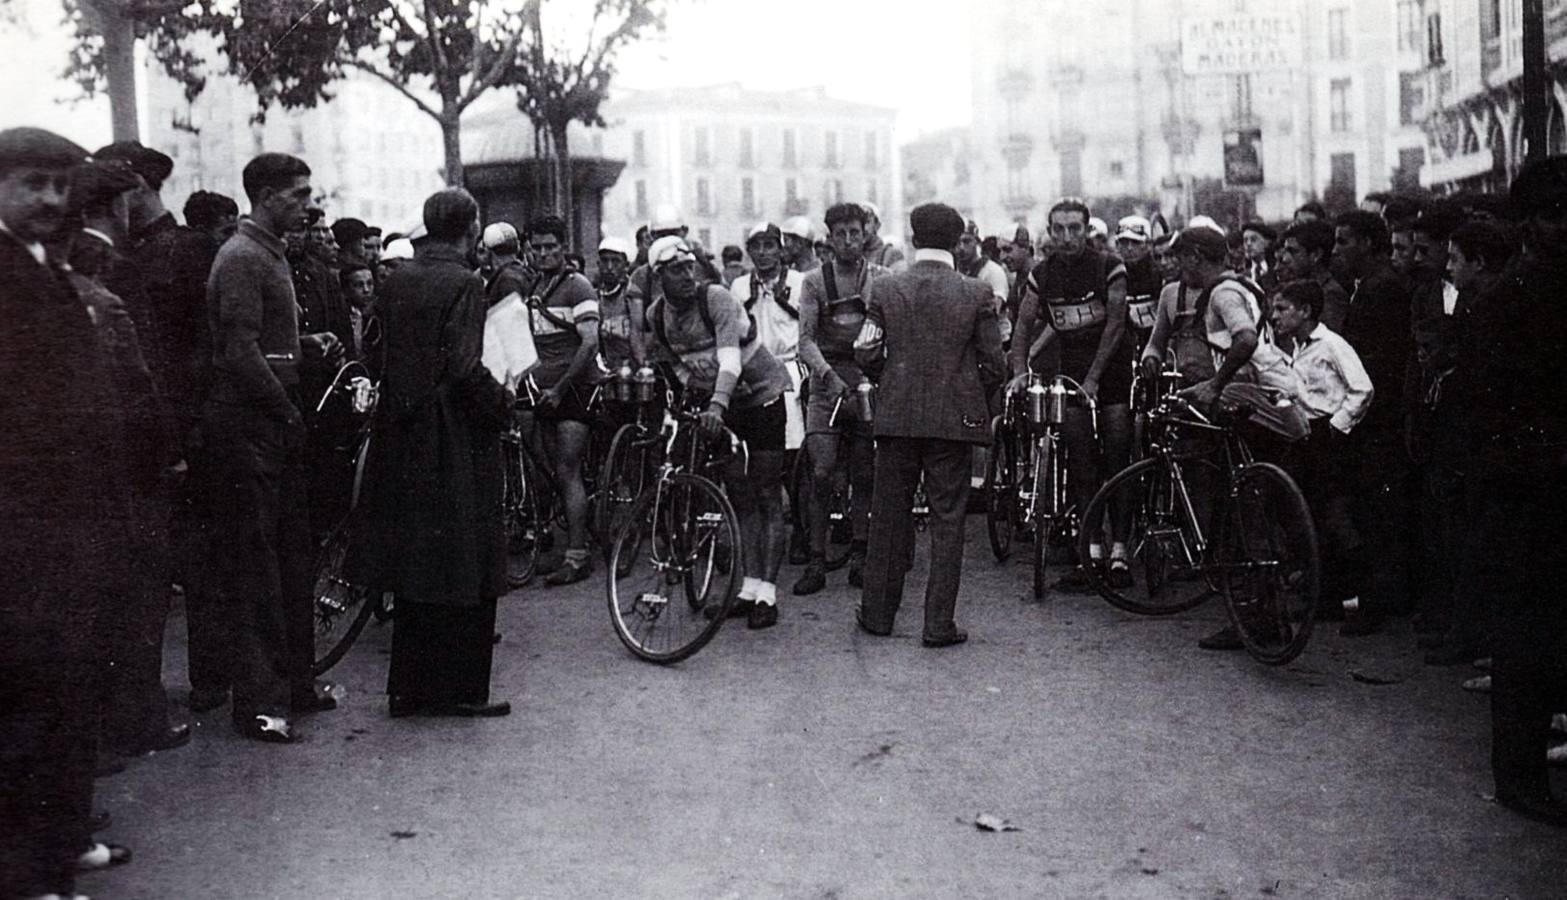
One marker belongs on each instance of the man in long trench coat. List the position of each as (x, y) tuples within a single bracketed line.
[(434, 485)]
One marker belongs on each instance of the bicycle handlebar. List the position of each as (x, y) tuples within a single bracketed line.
[(337, 379)]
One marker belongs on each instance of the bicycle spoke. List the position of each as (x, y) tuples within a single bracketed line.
[(1270, 565)]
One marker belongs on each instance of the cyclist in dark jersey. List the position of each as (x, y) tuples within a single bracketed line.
[(620, 344), (1078, 296), (704, 334), (1143, 279)]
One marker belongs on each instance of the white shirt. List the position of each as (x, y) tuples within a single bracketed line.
[(778, 331), (1334, 384), (930, 254), (1269, 363)]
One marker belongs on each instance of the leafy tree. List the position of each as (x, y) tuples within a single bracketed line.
[(103, 58), (569, 61)]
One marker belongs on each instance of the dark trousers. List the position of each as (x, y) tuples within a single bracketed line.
[(441, 654), (899, 463), (1323, 465), (262, 557), (130, 631)]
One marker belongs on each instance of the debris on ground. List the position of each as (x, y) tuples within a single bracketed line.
[(991, 822), (404, 835), (1364, 678)]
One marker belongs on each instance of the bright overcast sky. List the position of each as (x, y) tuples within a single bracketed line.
[(909, 55)]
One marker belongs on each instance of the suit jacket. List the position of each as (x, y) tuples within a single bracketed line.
[(939, 357)]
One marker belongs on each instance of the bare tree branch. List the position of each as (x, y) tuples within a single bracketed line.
[(400, 86)]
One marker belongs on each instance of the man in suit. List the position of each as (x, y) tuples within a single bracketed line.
[(932, 344)]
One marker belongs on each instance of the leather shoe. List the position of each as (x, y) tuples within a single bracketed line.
[(268, 730), (814, 579), (1535, 806), (167, 739), (762, 615), (102, 856), (736, 609), (203, 701), (1226, 638), (957, 636), (569, 573), (859, 619), (319, 699)]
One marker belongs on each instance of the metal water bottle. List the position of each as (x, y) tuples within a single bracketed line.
[(1056, 413), (645, 385), (1038, 403), (624, 389), (867, 401)]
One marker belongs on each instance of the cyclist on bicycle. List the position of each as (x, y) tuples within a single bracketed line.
[(705, 335), (620, 344), (1143, 278), (1077, 299), (832, 309), (563, 311), (505, 272)]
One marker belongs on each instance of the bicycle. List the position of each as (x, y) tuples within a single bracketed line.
[(675, 565), (1195, 527), (341, 607), (839, 507), (634, 457)]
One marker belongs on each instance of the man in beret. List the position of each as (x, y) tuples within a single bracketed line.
[(60, 497)]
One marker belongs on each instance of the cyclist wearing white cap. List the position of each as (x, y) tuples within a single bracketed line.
[(506, 273), (770, 292), (832, 309), (799, 246), (1143, 278), (877, 251), (619, 342), (699, 330)]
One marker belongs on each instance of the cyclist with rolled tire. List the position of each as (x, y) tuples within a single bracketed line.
[(1076, 299), (704, 334), (563, 312), (832, 309)]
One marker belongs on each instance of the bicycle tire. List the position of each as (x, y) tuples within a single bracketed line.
[(525, 523), (836, 554), (622, 477), (1162, 552), (1052, 519), (1271, 569), (339, 608), (674, 532), (1000, 489)]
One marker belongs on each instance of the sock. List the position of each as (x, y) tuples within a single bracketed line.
[(1117, 550), (576, 556), (766, 593), (1096, 551), (748, 589)]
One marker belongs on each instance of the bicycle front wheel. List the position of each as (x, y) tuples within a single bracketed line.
[(1000, 492), (1154, 514), (669, 584), (1271, 574), (628, 468), (340, 607), (526, 528)]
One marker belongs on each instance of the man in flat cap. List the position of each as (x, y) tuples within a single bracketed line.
[(59, 498)]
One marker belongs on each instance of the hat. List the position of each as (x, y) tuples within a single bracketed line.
[(152, 166), (1205, 222), (1132, 228), (667, 218), (799, 226), (971, 228), (498, 233), (348, 230), (1097, 226), (616, 245), (402, 248), (666, 250), (1209, 242), (97, 183), (35, 147), (1022, 237), (764, 230), (871, 210)]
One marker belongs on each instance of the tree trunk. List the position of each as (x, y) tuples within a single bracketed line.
[(451, 143), (563, 204), (119, 63)]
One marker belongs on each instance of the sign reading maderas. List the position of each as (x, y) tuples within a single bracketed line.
[(1226, 44)]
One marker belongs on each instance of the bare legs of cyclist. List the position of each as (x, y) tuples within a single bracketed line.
[(1089, 463), (829, 474), (758, 498), (567, 441)]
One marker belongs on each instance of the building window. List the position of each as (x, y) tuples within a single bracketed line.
[(641, 198), (1338, 34), (1072, 171), (870, 149), (701, 152), (831, 150), (1490, 19), (298, 132), (748, 197), (789, 158), (747, 151), (638, 148), (1409, 24), (1341, 173), (1117, 169), (1434, 54), (1338, 104), (1240, 98), (705, 235), (793, 205), (870, 191), (837, 190), (704, 199), (1411, 98)]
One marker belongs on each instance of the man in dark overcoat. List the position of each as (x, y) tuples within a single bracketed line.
[(435, 534)]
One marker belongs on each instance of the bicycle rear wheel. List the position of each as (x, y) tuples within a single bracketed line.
[(628, 468), (1054, 522), (1270, 567), (1163, 550), (526, 527), (340, 607), (1000, 491), (667, 567), (839, 528)]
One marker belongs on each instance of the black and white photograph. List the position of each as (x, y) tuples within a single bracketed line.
[(719, 449)]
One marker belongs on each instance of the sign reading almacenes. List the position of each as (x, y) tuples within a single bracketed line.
[(1214, 45)]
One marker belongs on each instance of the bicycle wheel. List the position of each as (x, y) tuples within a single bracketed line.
[(839, 530), (1163, 549), (1000, 490), (340, 607), (628, 468), (526, 527), (1269, 562), (670, 549), (1051, 521)]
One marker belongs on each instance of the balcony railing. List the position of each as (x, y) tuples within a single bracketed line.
[(1016, 149)]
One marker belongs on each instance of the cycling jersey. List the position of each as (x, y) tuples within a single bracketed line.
[(615, 327), (557, 304), (1074, 296), (689, 340), (1143, 284)]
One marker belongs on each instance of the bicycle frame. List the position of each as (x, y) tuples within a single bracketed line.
[(1170, 419)]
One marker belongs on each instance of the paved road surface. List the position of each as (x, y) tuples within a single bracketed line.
[(811, 761)]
